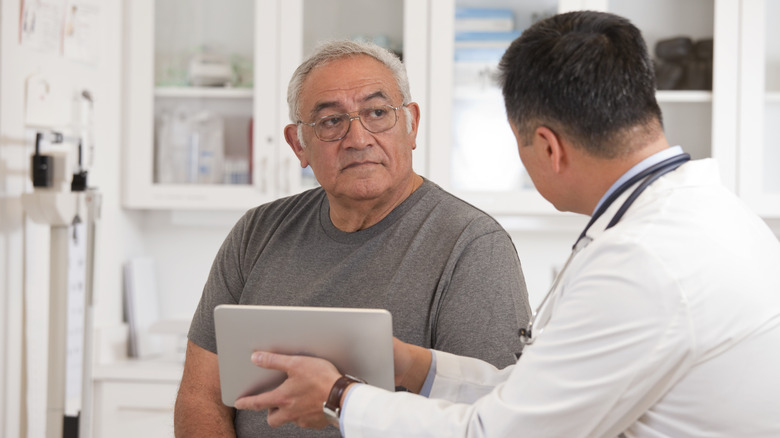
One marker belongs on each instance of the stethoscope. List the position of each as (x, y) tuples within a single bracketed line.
[(542, 315)]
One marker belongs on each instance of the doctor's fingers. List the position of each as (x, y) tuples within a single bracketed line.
[(287, 404), (292, 364), (312, 372), (266, 400), (307, 378), (272, 361), (303, 415)]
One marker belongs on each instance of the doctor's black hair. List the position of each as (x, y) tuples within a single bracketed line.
[(586, 75)]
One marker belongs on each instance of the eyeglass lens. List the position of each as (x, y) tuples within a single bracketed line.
[(377, 119)]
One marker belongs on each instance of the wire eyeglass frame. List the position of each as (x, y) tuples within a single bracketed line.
[(364, 115)]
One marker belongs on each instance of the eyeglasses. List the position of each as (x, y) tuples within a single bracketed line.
[(336, 126)]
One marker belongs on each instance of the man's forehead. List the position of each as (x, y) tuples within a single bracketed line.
[(347, 81)]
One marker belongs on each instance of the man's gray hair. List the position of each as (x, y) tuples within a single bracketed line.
[(336, 49)]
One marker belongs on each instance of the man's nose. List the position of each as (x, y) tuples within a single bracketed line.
[(357, 135)]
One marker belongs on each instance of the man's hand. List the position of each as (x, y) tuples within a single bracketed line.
[(411, 363), (300, 397)]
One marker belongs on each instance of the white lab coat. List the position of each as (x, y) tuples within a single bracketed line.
[(668, 325)]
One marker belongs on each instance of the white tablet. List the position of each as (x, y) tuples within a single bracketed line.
[(359, 342)]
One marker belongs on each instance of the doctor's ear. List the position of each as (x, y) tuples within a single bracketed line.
[(296, 144), (553, 147)]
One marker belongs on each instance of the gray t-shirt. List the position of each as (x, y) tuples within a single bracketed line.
[(448, 273)]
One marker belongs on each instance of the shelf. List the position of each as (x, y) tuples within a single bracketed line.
[(663, 96), (683, 96), (140, 370), (773, 97), (205, 92)]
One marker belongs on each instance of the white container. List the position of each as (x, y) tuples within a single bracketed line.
[(190, 147)]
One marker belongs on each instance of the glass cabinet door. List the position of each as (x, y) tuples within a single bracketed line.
[(688, 41), (203, 78), (475, 150), (193, 109), (760, 107), (398, 25), (679, 37), (482, 163)]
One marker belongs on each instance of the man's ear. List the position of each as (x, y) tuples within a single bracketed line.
[(291, 136), (554, 149), (414, 114)]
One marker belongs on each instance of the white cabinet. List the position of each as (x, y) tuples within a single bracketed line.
[(192, 143), (182, 132), (759, 109), (473, 151), (476, 154), (135, 399), (465, 144), (702, 122)]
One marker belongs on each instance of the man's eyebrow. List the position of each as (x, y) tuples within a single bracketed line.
[(333, 104), (376, 95), (324, 105)]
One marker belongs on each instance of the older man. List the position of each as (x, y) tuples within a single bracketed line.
[(375, 234)]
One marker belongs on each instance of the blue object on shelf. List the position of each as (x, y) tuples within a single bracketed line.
[(479, 54), (482, 46), (484, 19), (498, 37), (483, 13)]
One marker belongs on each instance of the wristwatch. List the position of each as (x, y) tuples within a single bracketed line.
[(332, 406)]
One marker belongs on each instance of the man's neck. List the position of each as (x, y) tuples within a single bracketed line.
[(356, 215), (604, 173)]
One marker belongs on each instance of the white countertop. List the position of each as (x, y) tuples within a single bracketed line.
[(150, 370)]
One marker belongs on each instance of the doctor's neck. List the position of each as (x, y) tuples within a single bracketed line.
[(599, 174)]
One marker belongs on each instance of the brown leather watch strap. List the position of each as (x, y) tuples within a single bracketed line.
[(332, 407)]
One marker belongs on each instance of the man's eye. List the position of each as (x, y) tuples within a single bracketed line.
[(331, 122), (376, 113)]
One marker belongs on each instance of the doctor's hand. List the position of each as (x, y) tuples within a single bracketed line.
[(300, 397), (411, 364)]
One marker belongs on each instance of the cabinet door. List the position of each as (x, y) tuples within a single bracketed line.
[(475, 151), (201, 128), (699, 112), (399, 25), (134, 409), (478, 153), (759, 145)]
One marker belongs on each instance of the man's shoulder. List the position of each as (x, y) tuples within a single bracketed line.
[(445, 199), (288, 204), (448, 207), (290, 211)]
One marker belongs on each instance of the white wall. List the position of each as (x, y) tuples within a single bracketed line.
[(24, 244), (183, 245)]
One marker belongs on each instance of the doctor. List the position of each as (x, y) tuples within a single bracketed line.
[(666, 319)]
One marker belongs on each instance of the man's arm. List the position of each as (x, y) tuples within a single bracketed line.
[(199, 410), (485, 303), (411, 364)]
